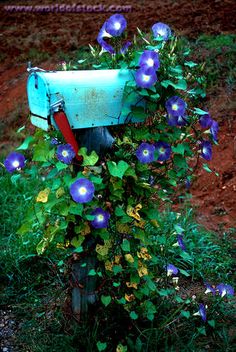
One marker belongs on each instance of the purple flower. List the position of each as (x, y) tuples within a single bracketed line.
[(145, 77), (181, 242), (187, 183), (125, 48), (14, 161), (65, 153), (54, 141), (182, 120), (175, 106), (145, 153), (82, 190), (205, 121), (100, 38), (149, 58), (160, 29), (209, 289), (115, 25), (172, 120), (206, 148), (171, 269), (214, 130), (164, 150), (202, 312), (101, 218), (225, 289)]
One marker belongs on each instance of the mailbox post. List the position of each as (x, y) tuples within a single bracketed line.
[(80, 104)]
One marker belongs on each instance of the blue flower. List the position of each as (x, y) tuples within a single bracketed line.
[(214, 130), (149, 58), (202, 312), (14, 161), (164, 150), (171, 270), (125, 47), (100, 38), (209, 289), (54, 141), (172, 120), (206, 148), (225, 289), (145, 153), (175, 106), (161, 30), (145, 77), (101, 218), (181, 242), (182, 120), (115, 25), (65, 153), (205, 121), (82, 190)]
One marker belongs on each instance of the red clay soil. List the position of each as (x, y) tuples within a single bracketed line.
[(50, 33)]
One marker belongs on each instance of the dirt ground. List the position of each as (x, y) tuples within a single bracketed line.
[(41, 35)]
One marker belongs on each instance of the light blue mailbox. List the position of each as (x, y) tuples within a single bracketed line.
[(88, 98)]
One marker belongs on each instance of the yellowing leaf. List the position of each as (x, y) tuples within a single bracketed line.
[(129, 258), (129, 298), (86, 229), (140, 223), (60, 192), (132, 285), (154, 223), (123, 228), (108, 265), (117, 259), (133, 212), (103, 250), (144, 254), (142, 269), (42, 197)]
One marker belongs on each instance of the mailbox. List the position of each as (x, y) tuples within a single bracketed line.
[(88, 98)]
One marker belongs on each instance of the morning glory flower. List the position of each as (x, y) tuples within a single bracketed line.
[(206, 148), (164, 150), (125, 47), (65, 153), (145, 153), (145, 77), (160, 29), (14, 161), (100, 38), (101, 218), (214, 130), (82, 190), (149, 58), (202, 311), (171, 120), (115, 25), (181, 242), (175, 106), (54, 141), (205, 121), (171, 269), (182, 120), (225, 289), (209, 289)]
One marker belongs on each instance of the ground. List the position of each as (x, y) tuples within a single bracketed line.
[(43, 38)]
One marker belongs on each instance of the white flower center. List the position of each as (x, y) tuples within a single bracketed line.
[(100, 218), (16, 164), (204, 150), (223, 293), (169, 272), (145, 152), (146, 78), (161, 32), (174, 107), (150, 62), (65, 153), (82, 191), (117, 25)]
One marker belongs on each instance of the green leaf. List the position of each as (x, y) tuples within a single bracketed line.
[(125, 245), (200, 111), (185, 313), (106, 300), (202, 330), (181, 84), (61, 166), (184, 272), (92, 272), (117, 269), (119, 211), (88, 160), (190, 64), (26, 143), (206, 167), (139, 113), (14, 178), (212, 323), (117, 170), (42, 152), (101, 346), (76, 209), (78, 249), (179, 149), (133, 315), (116, 284)]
